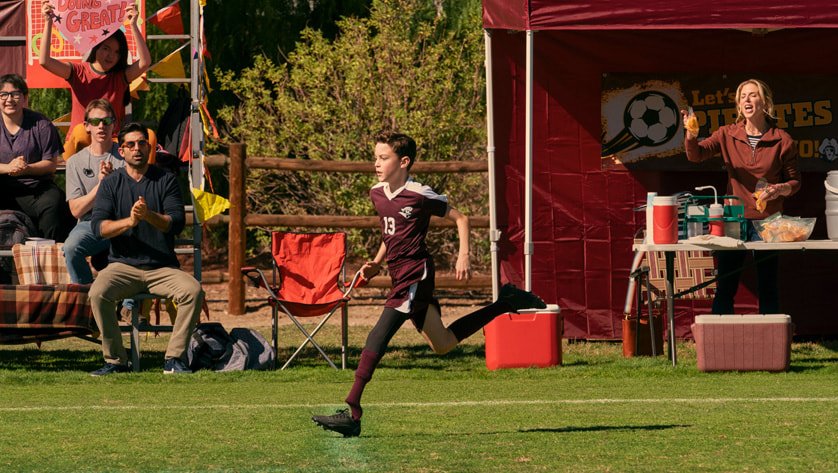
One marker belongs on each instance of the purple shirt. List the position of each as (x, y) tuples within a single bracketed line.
[(37, 140)]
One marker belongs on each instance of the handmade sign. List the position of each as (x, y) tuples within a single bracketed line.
[(642, 127), (86, 23)]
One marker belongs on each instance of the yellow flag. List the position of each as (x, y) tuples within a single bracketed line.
[(65, 119), (139, 84), (171, 66), (208, 205)]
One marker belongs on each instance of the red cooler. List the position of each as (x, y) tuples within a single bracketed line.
[(531, 338), (752, 342)]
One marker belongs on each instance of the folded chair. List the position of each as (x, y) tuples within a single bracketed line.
[(308, 281), (694, 279)]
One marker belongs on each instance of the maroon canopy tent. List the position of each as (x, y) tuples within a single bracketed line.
[(581, 216), (12, 37)]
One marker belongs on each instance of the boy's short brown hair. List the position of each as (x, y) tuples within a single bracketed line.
[(402, 144), (99, 104)]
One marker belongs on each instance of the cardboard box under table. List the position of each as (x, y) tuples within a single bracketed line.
[(743, 342), (530, 338)]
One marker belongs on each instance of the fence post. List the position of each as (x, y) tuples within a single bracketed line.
[(238, 238)]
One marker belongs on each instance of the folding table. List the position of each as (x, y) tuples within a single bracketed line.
[(669, 251)]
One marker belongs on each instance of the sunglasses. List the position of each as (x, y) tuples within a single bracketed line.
[(16, 94), (134, 144), (97, 121)]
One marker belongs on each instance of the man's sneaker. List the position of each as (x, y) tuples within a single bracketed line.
[(111, 368), (340, 422), (520, 299), (175, 366)]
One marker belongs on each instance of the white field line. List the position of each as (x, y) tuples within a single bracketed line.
[(489, 403)]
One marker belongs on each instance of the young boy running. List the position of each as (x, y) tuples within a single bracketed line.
[(405, 208)]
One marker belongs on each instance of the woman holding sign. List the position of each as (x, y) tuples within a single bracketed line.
[(754, 150), (104, 74)]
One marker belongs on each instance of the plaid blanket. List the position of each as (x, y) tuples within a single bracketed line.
[(39, 313), (40, 264)]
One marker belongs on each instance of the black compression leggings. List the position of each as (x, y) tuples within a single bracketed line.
[(388, 324)]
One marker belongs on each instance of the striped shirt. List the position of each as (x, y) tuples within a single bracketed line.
[(753, 140)]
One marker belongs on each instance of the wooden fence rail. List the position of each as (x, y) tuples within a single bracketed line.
[(238, 219)]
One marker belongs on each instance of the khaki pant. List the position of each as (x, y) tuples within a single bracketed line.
[(119, 281)]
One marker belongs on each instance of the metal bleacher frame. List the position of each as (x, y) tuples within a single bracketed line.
[(183, 245)]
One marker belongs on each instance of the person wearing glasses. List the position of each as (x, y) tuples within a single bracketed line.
[(29, 152), (85, 172), (140, 209)]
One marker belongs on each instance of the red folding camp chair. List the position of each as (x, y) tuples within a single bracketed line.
[(308, 281)]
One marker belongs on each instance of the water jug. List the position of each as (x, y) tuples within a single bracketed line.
[(666, 220)]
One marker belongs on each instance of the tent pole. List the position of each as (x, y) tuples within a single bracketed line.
[(196, 132), (528, 244), (494, 233)]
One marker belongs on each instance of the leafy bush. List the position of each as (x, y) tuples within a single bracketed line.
[(407, 68)]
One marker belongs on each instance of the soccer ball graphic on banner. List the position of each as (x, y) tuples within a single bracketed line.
[(652, 118)]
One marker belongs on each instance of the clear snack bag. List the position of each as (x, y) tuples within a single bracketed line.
[(780, 228)]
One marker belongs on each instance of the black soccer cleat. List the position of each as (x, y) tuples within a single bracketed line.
[(520, 299), (340, 422)]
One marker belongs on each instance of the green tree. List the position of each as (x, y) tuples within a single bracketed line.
[(407, 67)]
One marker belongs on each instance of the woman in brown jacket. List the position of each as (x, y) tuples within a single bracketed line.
[(753, 149)]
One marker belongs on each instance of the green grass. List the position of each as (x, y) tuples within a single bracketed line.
[(423, 413)]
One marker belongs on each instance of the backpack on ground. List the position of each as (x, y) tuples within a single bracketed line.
[(250, 351), (209, 345), (15, 227), (212, 348)]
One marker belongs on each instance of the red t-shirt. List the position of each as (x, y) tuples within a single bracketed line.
[(87, 85)]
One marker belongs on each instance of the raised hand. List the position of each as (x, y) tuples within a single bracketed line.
[(690, 122), (48, 10), (105, 168), (131, 14)]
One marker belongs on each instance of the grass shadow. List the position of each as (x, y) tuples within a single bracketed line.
[(605, 428), (67, 360), (813, 365), (398, 356), (556, 430), (34, 359)]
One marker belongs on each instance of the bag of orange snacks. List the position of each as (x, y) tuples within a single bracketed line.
[(780, 228)]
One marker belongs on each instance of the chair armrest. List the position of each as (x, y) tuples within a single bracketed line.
[(357, 281), (255, 276), (257, 279)]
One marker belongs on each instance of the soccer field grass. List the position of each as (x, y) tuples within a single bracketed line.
[(423, 413)]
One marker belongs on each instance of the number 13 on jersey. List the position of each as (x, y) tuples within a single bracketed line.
[(389, 225)]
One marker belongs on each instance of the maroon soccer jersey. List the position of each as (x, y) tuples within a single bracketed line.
[(405, 215)]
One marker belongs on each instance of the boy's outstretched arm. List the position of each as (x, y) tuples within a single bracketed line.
[(463, 267)]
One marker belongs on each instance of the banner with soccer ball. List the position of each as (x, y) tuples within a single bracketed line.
[(641, 119)]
